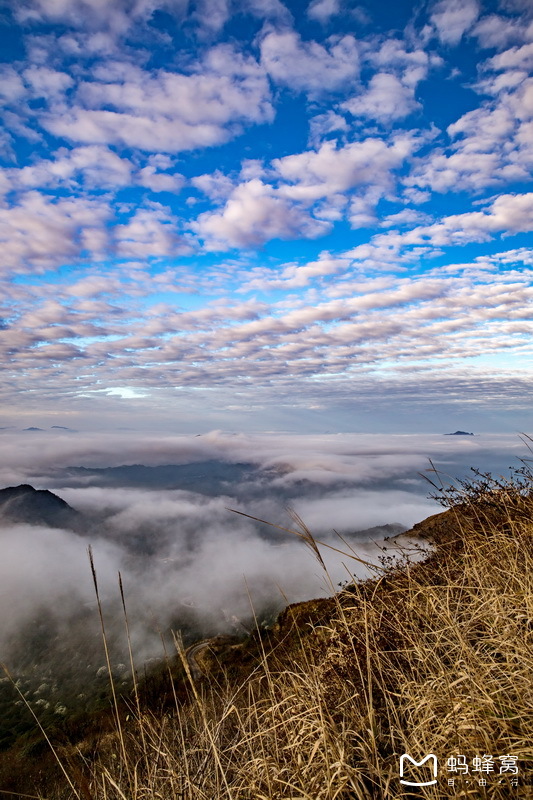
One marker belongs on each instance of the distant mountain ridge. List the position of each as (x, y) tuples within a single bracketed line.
[(211, 477), (43, 430), (387, 531)]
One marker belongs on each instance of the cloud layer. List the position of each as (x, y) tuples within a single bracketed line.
[(239, 198), (181, 552)]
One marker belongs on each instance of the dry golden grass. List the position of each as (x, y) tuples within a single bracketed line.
[(434, 657)]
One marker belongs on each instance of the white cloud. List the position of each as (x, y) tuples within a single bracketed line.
[(12, 88), (97, 166), (511, 213), (297, 276), (39, 233), (215, 185), (492, 144), (508, 213), (523, 255), (416, 196), (157, 181), (100, 166), (323, 124), (87, 168), (514, 58), (497, 31), (345, 327), (452, 18), (390, 94), (101, 24), (394, 53), (323, 10), (515, 6), (117, 16), (310, 66), (165, 111), (386, 98), (150, 232), (326, 175), (85, 45), (268, 9), (362, 213), (443, 173), (49, 83), (255, 213), (409, 216), (213, 14), (331, 170)]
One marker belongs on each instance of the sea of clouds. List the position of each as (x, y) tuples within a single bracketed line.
[(183, 554)]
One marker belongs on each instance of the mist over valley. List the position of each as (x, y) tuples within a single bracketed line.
[(161, 504), (159, 511)]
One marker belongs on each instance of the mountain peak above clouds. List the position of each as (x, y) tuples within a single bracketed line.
[(25, 504)]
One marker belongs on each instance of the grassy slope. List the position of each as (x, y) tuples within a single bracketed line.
[(433, 657)]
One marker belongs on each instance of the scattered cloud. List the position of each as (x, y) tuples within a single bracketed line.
[(253, 214), (150, 232), (453, 18), (140, 147), (94, 14), (296, 276), (331, 170), (323, 10), (323, 124), (309, 66), (216, 186), (390, 94), (513, 58), (39, 233), (498, 31), (386, 98), (490, 145), (163, 111)]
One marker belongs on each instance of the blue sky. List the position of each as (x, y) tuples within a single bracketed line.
[(249, 215)]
